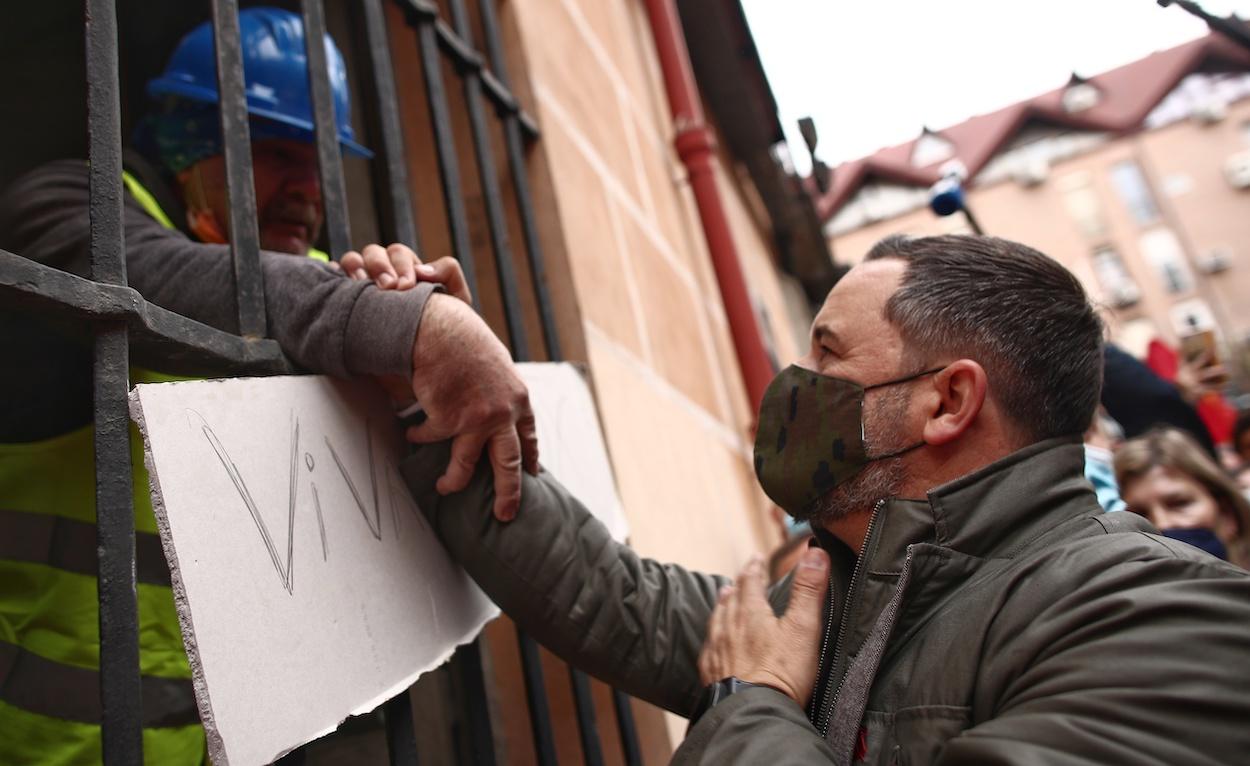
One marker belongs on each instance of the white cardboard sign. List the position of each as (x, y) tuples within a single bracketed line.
[(308, 584), (570, 442)]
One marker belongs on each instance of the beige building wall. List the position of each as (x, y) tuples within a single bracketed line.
[(661, 356), (670, 394), (1183, 164)]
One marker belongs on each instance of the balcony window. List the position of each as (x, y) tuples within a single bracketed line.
[(1084, 206), (1130, 183), (1118, 286), (1163, 252)]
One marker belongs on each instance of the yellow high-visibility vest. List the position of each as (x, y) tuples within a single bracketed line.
[(49, 613), (49, 608)]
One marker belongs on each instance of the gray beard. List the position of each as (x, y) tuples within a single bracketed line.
[(880, 480), (877, 480)]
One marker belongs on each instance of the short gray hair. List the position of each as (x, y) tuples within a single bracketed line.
[(1021, 315)]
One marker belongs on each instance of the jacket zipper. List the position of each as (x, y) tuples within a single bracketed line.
[(820, 663), (825, 710), (890, 617)]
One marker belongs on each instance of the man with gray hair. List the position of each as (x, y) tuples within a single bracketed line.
[(968, 601)]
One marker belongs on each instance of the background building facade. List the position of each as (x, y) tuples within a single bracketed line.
[(1135, 179)]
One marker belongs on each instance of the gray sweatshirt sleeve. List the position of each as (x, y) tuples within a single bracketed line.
[(323, 321)]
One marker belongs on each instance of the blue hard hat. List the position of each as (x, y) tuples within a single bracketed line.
[(275, 73)]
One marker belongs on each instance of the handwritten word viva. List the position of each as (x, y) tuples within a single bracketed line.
[(370, 507)]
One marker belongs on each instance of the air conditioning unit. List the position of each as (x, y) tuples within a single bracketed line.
[(1125, 295), (1210, 111), (1237, 170), (1215, 260), (1031, 172)]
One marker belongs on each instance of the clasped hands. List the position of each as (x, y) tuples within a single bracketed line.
[(463, 376), (747, 640)]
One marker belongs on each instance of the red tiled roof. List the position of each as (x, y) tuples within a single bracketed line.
[(1127, 94)]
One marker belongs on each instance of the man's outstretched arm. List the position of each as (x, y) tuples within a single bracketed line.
[(555, 570), (324, 322)]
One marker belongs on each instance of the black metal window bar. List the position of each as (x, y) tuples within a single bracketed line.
[(121, 319)]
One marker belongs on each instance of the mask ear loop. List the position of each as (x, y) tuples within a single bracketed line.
[(201, 220), (918, 444), (896, 453), (906, 379)]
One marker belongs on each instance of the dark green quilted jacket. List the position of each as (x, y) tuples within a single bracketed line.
[(1004, 619)]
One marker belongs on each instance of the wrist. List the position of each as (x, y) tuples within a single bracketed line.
[(436, 312), (382, 329), (719, 691), (770, 682)]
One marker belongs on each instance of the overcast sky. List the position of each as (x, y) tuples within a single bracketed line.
[(872, 73)]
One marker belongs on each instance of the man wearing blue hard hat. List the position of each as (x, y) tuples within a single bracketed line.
[(391, 319), (184, 133)]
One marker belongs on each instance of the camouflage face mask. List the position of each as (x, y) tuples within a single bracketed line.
[(811, 436)]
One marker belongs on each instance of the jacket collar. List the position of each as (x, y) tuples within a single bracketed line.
[(1010, 502), (987, 513)]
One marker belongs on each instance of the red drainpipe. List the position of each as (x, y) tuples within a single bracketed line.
[(696, 146)]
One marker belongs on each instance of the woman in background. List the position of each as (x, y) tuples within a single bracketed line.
[(1165, 476)]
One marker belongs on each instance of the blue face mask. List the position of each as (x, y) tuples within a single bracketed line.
[(1201, 538), (1101, 473)]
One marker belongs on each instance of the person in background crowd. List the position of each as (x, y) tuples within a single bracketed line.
[(1101, 439), (1241, 437), (1139, 399), (1200, 380), (1241, 450), (1166, 477)]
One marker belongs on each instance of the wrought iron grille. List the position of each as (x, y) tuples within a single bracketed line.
[(121, 320)]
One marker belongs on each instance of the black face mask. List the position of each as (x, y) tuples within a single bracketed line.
[(1201, 538), (811, 435)]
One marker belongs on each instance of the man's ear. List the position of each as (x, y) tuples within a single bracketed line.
[(960, 391)]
